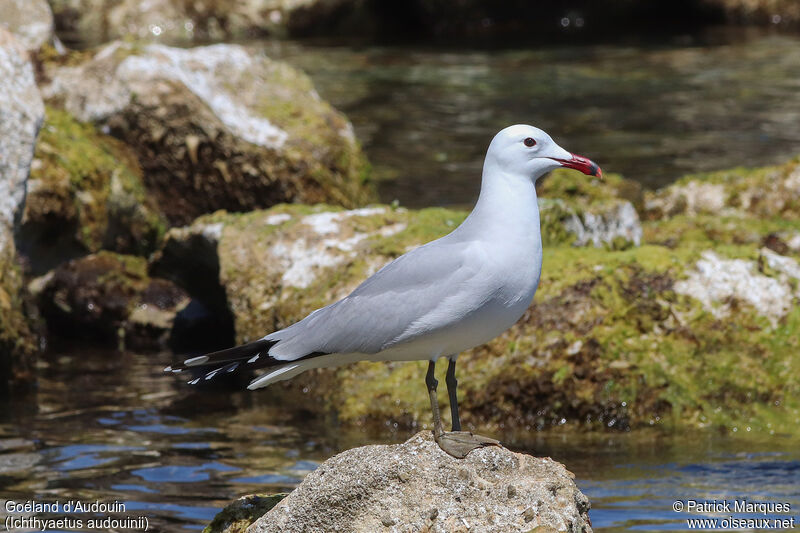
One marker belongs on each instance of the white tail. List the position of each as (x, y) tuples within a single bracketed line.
[(280, 373)]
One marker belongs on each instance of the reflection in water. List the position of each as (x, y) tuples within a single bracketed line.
[(108, 426), (426, 117)]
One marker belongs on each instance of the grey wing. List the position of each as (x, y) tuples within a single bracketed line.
[(386, 308)]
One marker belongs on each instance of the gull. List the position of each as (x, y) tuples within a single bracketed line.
[(447, 296)]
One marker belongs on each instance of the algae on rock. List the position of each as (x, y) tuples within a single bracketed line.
[(237, 516), (85, 194), (18, 343)]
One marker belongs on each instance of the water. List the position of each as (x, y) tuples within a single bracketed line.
[(112, 427), (425, 117)]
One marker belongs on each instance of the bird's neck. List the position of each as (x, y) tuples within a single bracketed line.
[(507, 204)]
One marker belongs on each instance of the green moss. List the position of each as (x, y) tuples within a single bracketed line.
[(236, 517), (422, 226), (17, 340), (740, 178), (338, 167), (575, 187), (90, 184), (607, 342), (759, 193)]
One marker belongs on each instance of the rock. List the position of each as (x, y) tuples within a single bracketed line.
[(415, 486), (217, 127), (18, 342), (237, 516), (31, 21), (763, 193), (613, 224), (580, 211), (22, 112), (85, 194), (717, 283), (109, 298)]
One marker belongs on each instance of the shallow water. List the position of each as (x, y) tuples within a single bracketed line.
[(112, 427), (425, 117)]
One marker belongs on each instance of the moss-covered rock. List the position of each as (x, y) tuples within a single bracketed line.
[(217, 127), (85, 194), (18, 343), (762, 193), (237, 516), (109, 298), (22, 112), (614, 338), (699, 326), (579, 211), (267, 269)]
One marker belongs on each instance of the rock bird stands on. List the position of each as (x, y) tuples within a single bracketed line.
[(450, 295)]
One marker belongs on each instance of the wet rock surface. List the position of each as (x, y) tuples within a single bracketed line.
[(416, 486), (217, 127)]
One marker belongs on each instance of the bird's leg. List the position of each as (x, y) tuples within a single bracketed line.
[(432, 383), (457, 443), (452, 385)]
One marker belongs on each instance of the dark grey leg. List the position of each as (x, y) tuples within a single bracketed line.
[(432, 383), (452, 386), (457, 443)]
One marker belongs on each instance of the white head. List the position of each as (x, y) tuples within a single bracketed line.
[(525, 150)]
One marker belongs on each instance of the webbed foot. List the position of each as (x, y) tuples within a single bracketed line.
[(460, 443)]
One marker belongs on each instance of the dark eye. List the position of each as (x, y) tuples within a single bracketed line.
[(529, 142)]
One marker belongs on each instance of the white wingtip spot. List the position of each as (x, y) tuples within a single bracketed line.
[(168, 369), (196, 360), (194, 381)]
